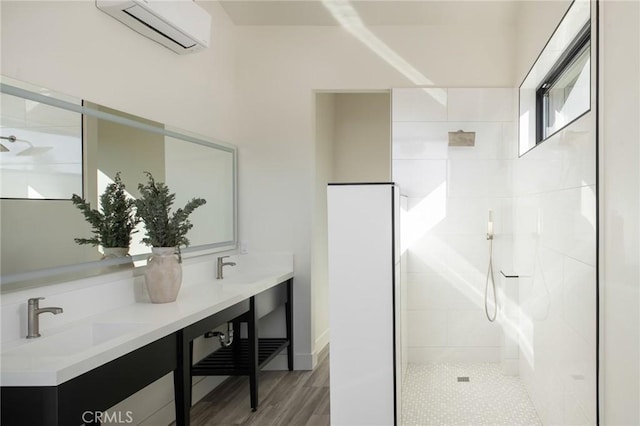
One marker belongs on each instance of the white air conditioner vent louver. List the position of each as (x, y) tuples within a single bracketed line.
[(180, 25)]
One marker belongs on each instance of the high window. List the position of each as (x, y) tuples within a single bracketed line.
[(564, 94)]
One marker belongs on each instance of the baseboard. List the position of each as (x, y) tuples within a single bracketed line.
[(322, 341), (305, 361), (300, 362)]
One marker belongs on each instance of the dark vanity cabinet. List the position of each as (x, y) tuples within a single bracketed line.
[(76, 401)]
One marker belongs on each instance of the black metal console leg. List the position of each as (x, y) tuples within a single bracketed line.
[(289, 321), (235, 346), (252, 328), (182, 381)]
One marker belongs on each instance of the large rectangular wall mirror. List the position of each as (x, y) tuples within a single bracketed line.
[(54, 146)]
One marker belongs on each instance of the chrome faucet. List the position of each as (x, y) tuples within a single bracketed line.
[(221, 264), (33, 320)]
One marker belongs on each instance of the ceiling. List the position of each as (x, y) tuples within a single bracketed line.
[(373, 12)]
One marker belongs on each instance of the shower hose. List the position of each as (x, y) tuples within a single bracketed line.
[(493, 285)]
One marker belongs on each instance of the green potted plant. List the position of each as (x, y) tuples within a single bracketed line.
[(113, 225), (166, 232)]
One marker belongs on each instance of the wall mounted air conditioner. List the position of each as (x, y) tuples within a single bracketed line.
[(180, 25)]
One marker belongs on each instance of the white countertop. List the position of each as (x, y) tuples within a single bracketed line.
[(69, 351)]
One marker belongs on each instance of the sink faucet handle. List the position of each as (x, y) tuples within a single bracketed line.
[(34, 301)]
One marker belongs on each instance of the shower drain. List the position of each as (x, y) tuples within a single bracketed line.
[(463, 379)]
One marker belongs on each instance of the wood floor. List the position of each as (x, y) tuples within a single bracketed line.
[(296, 398)]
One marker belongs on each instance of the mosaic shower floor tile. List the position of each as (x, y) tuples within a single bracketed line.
[(464, 394)]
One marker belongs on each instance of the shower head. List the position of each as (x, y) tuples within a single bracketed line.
[(462, 138), (33, 151)]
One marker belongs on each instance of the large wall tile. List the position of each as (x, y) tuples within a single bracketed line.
[(454, 354), (427, 104), (430, 140), (435, 291), (468, 254), (425, 256), (576, 366), (509, 146), (470, 215), (569, 222), (472, 328), (566, 160), (579, 298), (427, 327), (504, 218), (481, 105), (420, 178), (419, 140), (545, 301), (478, 178), (425, 291)]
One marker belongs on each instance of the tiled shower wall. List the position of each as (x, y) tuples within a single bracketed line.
[(449, 191), (554, 240), (544, 206)]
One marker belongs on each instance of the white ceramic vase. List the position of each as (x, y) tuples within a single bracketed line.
[(163, 275)]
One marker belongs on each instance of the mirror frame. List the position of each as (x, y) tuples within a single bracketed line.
[(58, 274)]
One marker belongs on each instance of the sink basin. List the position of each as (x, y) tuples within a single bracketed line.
[(71, 341), (242, 278)]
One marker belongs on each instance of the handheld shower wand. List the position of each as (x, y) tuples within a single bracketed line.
[(490, 275)]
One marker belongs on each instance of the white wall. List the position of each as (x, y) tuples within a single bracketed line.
[(279, 69), (450, 191), (536, 22), (73, 48), (554, 249), (362, 144), (325, 137), (619, 215)]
